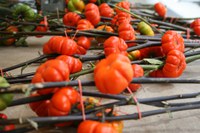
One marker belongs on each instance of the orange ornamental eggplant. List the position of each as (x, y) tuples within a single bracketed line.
[(42, 28), (84, 44), (60, 45), (71, 19), (118, 125), (5, 128), (175, 64), (89, 126), (121, 18), (149, 52), (171, 40), (84, 24), (115, 45), (127, 33), (196, 26), (62, 102), (157, 73), (123, 4), (10, 41), (160, 9), (92, 13), (92, 1), (74, 64), (41, 107), (137, 72), (51, 71), (113, 74), (103, 28), (106, 11)]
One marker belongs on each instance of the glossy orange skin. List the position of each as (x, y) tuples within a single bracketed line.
[(103, 28), (175, 64), (92, 13), (10, 41), (71, 19), (9, 127), (160, 9), (92, 1), (84, 24), (113, 74), (84, 44), (89, 126), (6, 127), (115, 45), (155, 51), (41, 28), (196, 26), (51, 71), (60, 45), (62, 101), (74, 64), (106, 11), (157, 73), (105, 128), (123, 4), (137, 72), (66, 1), (118, 125), (121, 18), (171, 40), (126, 32), (41, 107)]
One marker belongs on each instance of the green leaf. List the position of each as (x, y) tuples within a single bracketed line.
[(3, 83), (21, 42), (28, 28), (153, 61)]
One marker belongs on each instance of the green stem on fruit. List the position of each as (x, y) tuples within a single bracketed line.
[(169, 24), (151, 67), (134, 116), (58, 33), (28, 62), (192, 58)]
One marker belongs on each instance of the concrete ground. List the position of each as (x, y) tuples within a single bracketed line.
[(181, 122)]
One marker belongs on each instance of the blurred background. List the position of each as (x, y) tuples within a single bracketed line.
[(180, 8)]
